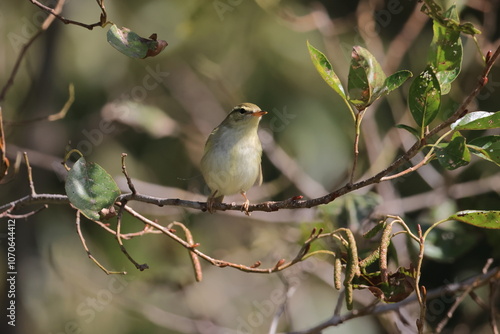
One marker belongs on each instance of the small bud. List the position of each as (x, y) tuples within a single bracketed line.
[(488, 56), (256, 264)]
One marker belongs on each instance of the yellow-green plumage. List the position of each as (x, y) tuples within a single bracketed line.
[(232, 160)]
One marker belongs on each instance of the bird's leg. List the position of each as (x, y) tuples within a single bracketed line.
[(212, 199), (245, 205)]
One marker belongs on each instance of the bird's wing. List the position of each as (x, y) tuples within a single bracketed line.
[(259, 178)]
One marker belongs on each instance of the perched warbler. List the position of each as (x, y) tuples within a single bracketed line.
[(231, 162)]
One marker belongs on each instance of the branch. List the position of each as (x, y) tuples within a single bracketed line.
[(56, 14), (82, 239)]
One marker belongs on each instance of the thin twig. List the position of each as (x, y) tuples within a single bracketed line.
[(53, 117), (91, 26), (141, 267), (453, 308), (30, 176), (198, 274), (82, 239), (493, 309), (26, 215), (420, 291), (126, 236), (279, 266), (479, 301), (357, 134), (129, 180)]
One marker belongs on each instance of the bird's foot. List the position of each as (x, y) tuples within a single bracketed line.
[(244, 206)]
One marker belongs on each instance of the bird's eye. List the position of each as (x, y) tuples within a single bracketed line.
[(242, 111)]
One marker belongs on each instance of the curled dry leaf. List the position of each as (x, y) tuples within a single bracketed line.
[(132, 45)]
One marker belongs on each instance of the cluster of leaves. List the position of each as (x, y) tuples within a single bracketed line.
[(366, 83)]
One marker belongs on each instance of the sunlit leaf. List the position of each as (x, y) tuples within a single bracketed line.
[(90, 188), (395, 80), (325, 69), (487, 147), (479, 218), (425, 97), (366, 80), (133, 45), (446, 51), (454, 154), (478, 120)]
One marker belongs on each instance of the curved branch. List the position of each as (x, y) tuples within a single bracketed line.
[(56, 14)]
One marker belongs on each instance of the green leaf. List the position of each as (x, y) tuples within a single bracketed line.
[(395, 80), (487, 148), (133, 45), (425, 97), (479, 218), (477, 120), (410, 129), (453, 154), (90, 188), (436, 13), (325, 69), (366, 80), (446, 51)]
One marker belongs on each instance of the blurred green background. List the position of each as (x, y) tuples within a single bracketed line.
[(160, 110)]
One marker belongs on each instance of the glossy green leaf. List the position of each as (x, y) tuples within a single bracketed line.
[(90, 188), (366, 80), (487, 147), (479, 218), (425, 97), (446, 51), (454, 154), (478, 120), (410, 129), (395, 80), (325, 69), (436, 13), (133, 45)]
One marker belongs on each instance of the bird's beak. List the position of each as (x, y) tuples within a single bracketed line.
[(259, 113)]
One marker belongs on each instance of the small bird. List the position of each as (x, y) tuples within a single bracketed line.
[(232, 160)]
